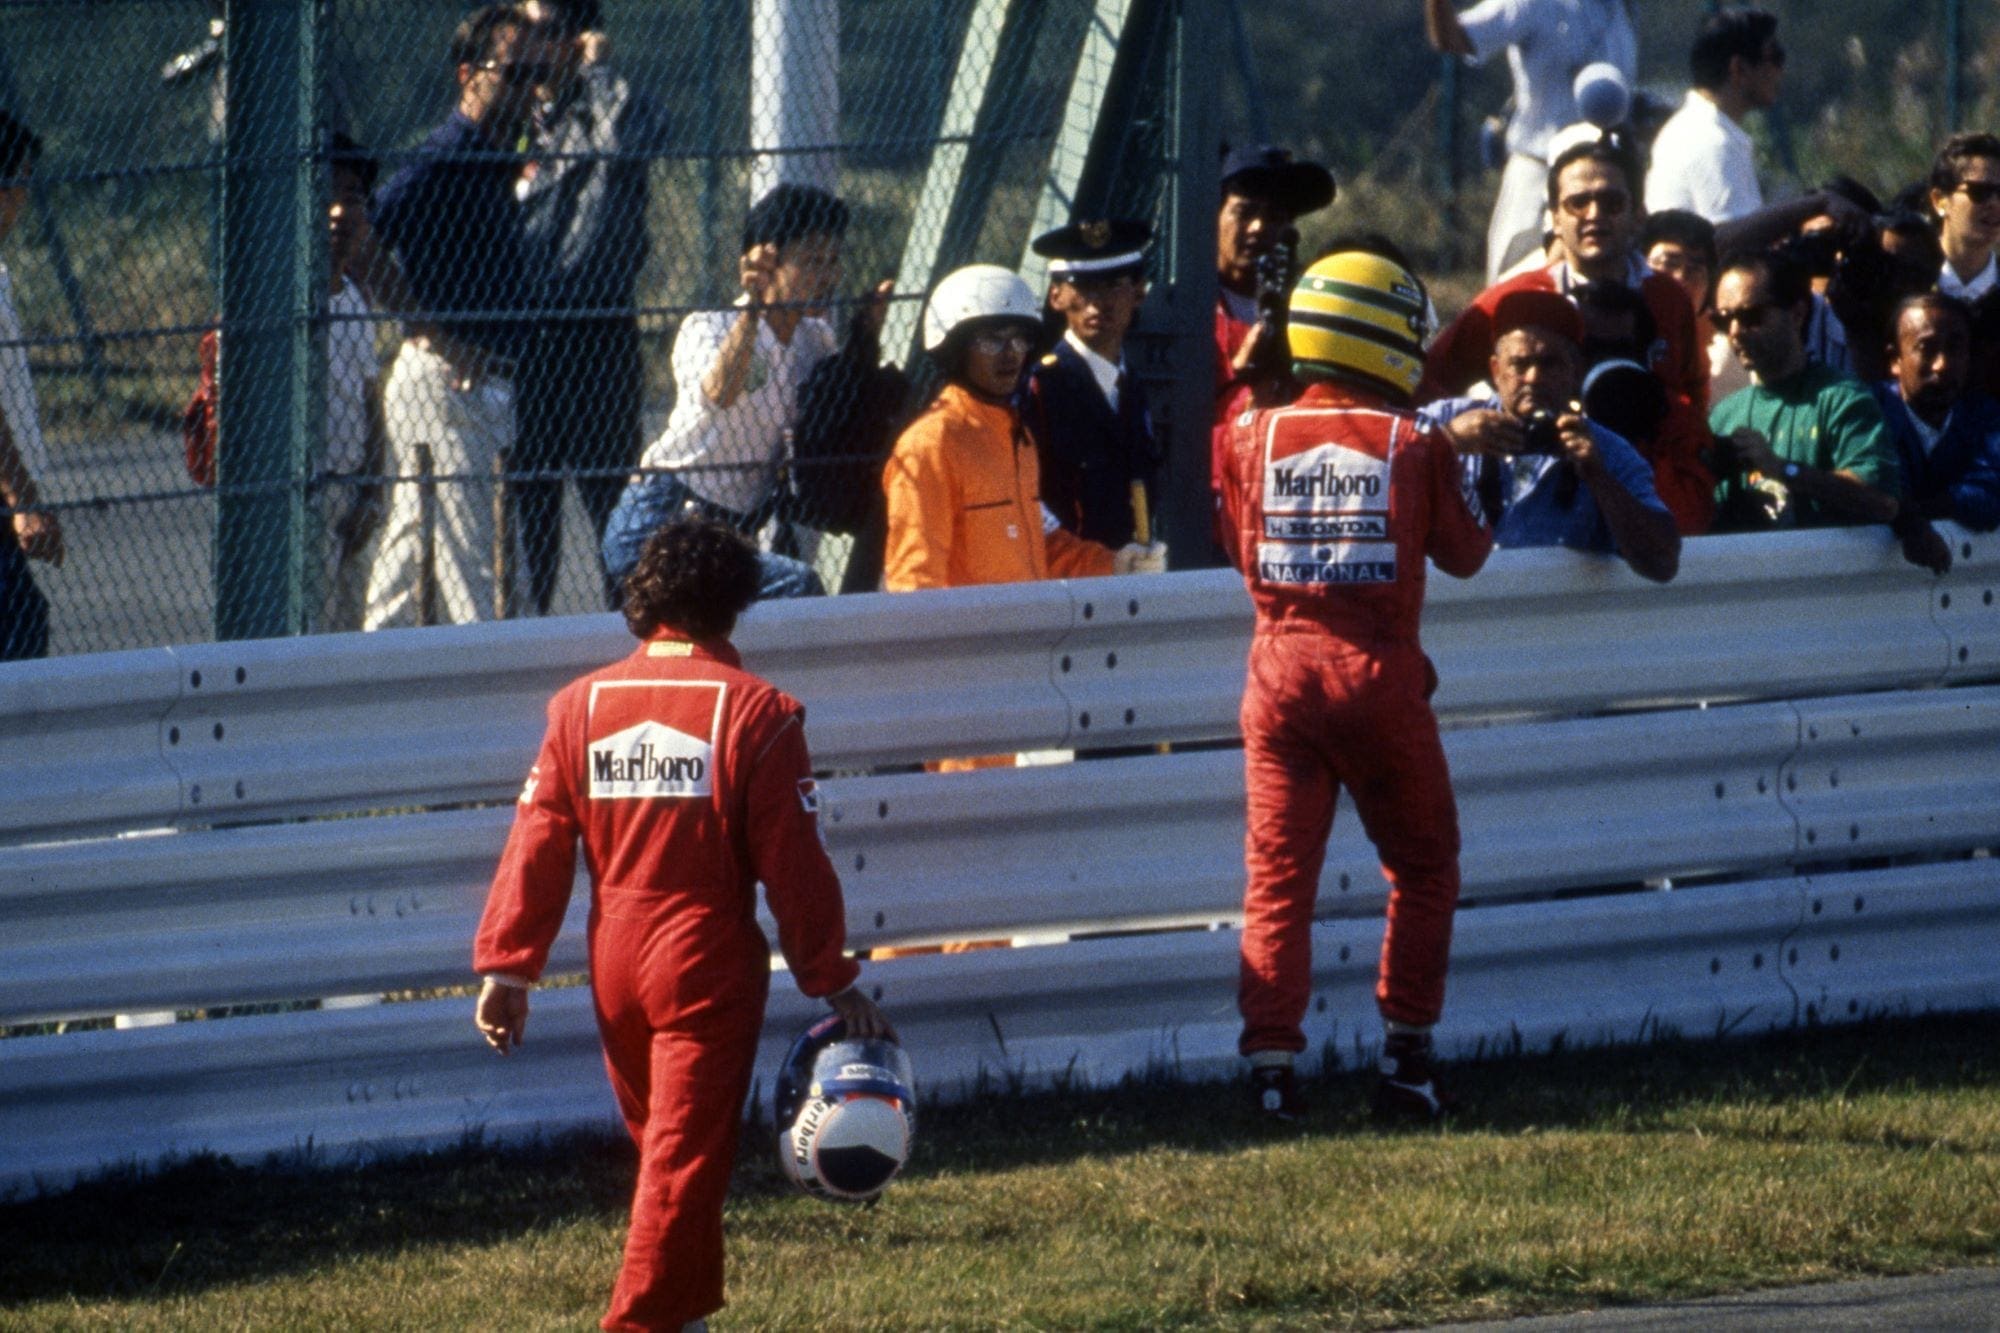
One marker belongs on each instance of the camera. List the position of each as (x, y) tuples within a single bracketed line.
[(1538, 434), (1274, 295)]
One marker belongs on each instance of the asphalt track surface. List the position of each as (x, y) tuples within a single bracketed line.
[(1965, 1299), (138, 572)]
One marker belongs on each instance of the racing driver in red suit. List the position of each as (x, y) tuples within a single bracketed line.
[(1334, 503), (687, 779)]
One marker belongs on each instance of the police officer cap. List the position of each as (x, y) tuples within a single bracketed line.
[(1263, 171), (1099, 249)]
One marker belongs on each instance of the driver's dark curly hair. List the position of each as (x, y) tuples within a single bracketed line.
[(695, 576)]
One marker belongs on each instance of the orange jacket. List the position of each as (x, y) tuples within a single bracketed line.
[(965, 503)]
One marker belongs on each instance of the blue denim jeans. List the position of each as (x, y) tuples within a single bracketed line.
[(651, 502)]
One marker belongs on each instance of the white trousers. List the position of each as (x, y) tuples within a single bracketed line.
[(1523, 200), (441, 560)]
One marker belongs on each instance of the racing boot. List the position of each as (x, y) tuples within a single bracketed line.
[(1408, 1090)]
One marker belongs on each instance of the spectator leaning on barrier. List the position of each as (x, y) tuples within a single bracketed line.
[(583, 199), (1547, 42), (688, 781), (1334, 504), (963, 484), (1703, 160), (29, 533), (1947, 433), (1546, 475), (462, 283), (1093, 434), (737, 374), (1804, 445), (1597, 217)]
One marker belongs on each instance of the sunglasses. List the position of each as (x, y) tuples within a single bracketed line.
[(1611, 203), (1749, 316), (1981, 193), (994, 341)]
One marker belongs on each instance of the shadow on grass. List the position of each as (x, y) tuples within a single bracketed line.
[(209, 1221)]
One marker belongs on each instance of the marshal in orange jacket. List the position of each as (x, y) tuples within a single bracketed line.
[(965, 506)]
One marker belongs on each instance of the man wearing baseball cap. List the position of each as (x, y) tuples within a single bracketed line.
[(1264, 192)]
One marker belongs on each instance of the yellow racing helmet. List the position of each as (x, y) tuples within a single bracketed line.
[(1359, 317)]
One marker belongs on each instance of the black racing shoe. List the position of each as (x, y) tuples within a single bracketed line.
[(1274, 1090), (1408, 1090)]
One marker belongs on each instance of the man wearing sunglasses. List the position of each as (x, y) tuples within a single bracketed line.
[(1592, 193), (1703, 161), (459, 278), (1546, 43), (1965, 194), (1805, 445)]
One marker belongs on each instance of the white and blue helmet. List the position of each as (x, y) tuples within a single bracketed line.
[(846, 1112)]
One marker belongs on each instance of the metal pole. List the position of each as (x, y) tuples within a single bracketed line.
[(794, 92), (271, 411), (709, 113), (1190, 287)]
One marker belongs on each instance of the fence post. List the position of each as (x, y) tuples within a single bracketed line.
[(271, 410), (1190, 298), (794, 93)]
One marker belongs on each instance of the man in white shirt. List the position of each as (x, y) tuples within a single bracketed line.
[(1703, 161), (1547, 42), (1965, 194), (737, 374)]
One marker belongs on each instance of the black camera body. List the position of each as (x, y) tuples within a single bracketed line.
[(1538, 434)]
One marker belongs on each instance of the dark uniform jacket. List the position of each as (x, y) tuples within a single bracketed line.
[(1090, 455)]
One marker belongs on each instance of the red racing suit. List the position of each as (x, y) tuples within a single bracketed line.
[(687, 779), (1335, 502)]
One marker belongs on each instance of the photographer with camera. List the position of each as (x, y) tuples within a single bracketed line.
[(1264, 192), (1547, 474)]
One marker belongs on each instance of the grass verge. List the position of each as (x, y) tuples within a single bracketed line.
[(1576, 1179)]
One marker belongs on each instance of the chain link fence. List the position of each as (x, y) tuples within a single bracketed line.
[(462, 273), (526, 369)]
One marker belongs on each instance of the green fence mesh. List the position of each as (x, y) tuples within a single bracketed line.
[(564, 205), (551, 259)]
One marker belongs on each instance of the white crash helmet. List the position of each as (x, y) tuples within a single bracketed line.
[(977, 292), (846, 1112)]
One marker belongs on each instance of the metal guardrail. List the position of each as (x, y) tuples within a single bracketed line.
[(1708, 961), (1551, 799), (280, 728)]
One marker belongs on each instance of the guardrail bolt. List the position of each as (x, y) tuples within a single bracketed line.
[(1132, 607), (1083, 721), (1714, 966), (1763, 785), (881, 810), (173, 735), (1859, 902), (1944, 601), (194, 794), (1130, 717), (1718, 791), (1089, 610), (1111, 661), (1756, 962), (194, 680), (1065, 662), (239, 791), (860, 861), (1833, 954)]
